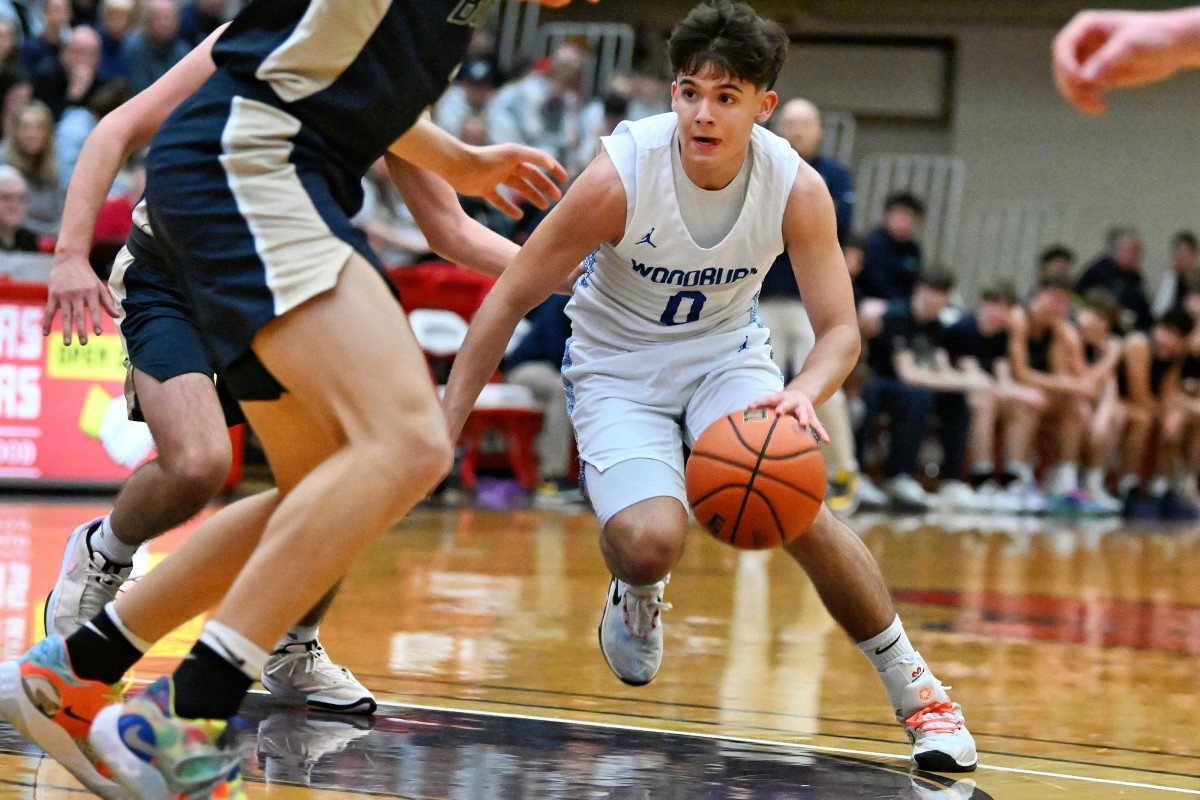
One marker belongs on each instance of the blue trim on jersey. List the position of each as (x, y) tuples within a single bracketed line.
[(589, 266), (569, 391)]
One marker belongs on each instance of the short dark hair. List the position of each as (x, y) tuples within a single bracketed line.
[(1177, 319), (1184, 237), (1059, 283), (1104, 303), (732, 40), (907, 200), (1056, 251), (937, 278), (1002, 292)]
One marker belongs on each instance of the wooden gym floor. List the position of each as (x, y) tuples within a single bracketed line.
[(1072, 648)]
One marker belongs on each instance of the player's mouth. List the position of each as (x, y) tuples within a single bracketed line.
[(705, 144)]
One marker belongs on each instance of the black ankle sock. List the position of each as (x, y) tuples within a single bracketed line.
[(979, 478), (100, 652), (209, 686), (1007, 478)]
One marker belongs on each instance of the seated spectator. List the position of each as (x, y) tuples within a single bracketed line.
[(156, 47), (16, 96), (14, 202), (199, 18), (386, 221), (30, 148), (1149, 380), (78, 121), (116, 23), (1097, 321), (1184, 269), (11, 67), (1056, 261), (1119, 270), (41, 52), (85, 12), (469, 96), (911, 378), (74, 78), (978, 344), (598, 118), (892, 255), (1045, 353), (536, 364), (539, 108)]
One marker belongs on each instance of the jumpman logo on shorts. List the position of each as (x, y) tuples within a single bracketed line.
[(646, 239)]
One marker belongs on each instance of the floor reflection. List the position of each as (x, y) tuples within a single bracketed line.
[(461, 756)]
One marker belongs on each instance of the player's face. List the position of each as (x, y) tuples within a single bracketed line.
[(717, 114)]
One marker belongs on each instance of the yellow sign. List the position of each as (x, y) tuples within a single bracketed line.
[(101, 359)]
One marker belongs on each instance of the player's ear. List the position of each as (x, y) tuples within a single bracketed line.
[(674, 92), (766, 106)]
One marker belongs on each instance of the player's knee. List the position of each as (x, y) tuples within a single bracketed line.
[(645, 549), (415, 453), (199, 470)]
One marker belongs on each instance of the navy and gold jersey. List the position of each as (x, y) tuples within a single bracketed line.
[(357, 71)]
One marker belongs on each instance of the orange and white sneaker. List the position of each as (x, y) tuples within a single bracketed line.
[(936, 728), (43, 698)]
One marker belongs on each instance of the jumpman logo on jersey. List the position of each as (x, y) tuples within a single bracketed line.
[(646, 239)]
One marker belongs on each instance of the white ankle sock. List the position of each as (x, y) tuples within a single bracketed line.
[(234, 648), (105, 542), (141, 644), (887, 647), (298, 634)]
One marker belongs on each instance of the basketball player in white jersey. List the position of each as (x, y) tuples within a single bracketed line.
[(682, 214)]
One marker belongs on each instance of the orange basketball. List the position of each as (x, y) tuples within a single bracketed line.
[(755, 479)]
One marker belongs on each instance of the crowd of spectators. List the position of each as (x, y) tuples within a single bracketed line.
[(1082, 397), (64, 64)]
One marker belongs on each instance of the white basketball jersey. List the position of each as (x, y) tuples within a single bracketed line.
[(657, 285)]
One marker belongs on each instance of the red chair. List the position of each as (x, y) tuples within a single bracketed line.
[(508, 410)]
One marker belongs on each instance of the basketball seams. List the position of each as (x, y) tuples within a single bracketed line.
[(733, 462), (753, 474), (766, 476)]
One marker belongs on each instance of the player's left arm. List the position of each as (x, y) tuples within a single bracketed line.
[(810, 236), (480, 171)]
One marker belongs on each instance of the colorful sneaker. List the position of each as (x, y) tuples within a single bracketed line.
[(303, 673), (842, 496), (936, 728), (87, 582), (631, 635), (43, 698), (156, 755)]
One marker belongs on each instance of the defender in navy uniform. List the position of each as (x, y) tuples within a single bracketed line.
[(250, 186)]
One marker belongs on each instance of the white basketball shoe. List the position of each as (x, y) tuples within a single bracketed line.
[(87, 581), (303, 673), (936, 728), (631, 634)]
